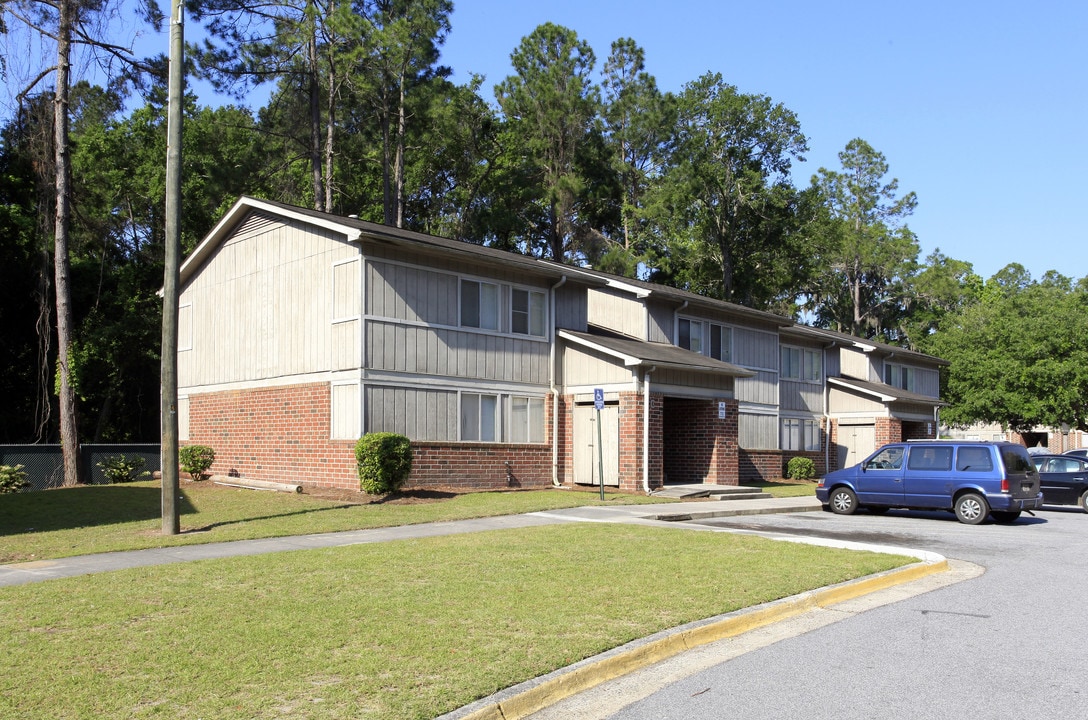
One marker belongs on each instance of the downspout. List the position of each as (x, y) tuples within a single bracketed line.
[(646, 429), (827, 411), (551, 385)]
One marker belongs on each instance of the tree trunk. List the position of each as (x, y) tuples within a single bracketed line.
[(315, 123), (330, 125), (69, 426), (398, 159)]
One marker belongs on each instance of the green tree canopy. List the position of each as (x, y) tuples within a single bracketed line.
[(869, 251), (1017, 354)]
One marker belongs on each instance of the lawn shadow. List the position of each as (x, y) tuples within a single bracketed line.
[(83, 506)]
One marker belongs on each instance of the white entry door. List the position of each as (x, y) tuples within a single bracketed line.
[(856, 442), (586, 463)]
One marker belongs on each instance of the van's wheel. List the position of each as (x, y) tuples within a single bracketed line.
[(1005, 516), (1084, 501), (971, 508), (843, 501)]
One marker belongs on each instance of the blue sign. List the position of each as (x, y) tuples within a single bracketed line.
[(598, 398)]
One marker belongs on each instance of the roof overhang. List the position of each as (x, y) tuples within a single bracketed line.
[(640, 353), (883, 392)]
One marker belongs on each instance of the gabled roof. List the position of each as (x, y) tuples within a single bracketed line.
[(356, 230), (883, 392), (640, 353)]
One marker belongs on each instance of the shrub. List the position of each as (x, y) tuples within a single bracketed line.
[(13, 479), (800, 468), (195, 460), (121, 469), (384, 461)]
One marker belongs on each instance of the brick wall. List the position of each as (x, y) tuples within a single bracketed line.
[(698, 446), (282, 434), (480, 466), (771, 465), (278, 434)]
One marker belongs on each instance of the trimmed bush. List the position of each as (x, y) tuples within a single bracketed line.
[(121, 469), (195, 460), (800, 468), (13, 479), (384, 460)]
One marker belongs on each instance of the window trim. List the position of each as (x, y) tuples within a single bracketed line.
[(803, 364), (705, 337)]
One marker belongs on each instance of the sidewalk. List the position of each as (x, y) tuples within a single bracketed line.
[(41, 570)]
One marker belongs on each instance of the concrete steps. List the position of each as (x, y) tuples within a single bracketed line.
[(708, 490)]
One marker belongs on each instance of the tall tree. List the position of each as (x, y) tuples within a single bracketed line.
[(724, 201), (67, 23), (400, 57), (308, 47), (870, 250), (942, 287), (638, 119), (552, 103)]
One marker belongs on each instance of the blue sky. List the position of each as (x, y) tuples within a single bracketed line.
[(979, 108)]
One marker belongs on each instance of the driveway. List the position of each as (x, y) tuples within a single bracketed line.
[(1005, 641)]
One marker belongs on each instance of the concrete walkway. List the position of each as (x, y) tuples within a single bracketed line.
[(40, 570)]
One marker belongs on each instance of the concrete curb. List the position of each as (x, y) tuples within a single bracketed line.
[(529, 697)]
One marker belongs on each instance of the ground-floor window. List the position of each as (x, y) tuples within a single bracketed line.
[(800, 434), (502, 418)]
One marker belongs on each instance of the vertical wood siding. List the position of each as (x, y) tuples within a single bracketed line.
[(419, 414), (762, 388), (616, 311), (801, 396), (262, 306)]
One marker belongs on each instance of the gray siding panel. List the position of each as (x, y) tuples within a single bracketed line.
[(411, 294), (755, 349), (455, 353), (757, 432), (419, 414), (762, 388), (801, 397)]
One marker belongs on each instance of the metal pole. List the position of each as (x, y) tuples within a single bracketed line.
[(600, 454), (171, 523)]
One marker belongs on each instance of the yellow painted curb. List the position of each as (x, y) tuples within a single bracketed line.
[(622, 663)]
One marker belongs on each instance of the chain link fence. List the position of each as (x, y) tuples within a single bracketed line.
[(44, 464)]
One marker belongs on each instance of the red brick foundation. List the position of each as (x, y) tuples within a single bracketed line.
[(480, 466), (278, 434), (282, 435)]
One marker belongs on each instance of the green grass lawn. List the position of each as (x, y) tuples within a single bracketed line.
[(108, 518), (406, 629)]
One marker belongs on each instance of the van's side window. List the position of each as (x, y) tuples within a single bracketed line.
[(890, 458), (930, 458), (974, 459)]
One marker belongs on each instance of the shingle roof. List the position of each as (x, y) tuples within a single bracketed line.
[(641, 353)]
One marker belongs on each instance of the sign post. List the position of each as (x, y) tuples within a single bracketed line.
[(598, 402)]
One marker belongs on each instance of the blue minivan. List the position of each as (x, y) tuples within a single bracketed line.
[(971, 478)]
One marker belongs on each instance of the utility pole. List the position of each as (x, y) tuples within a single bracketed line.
[(171, 523)]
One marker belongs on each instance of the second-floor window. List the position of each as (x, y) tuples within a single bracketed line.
[(479, 305), (900, 376), (527, 312), (706, 338), (801, 364)]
